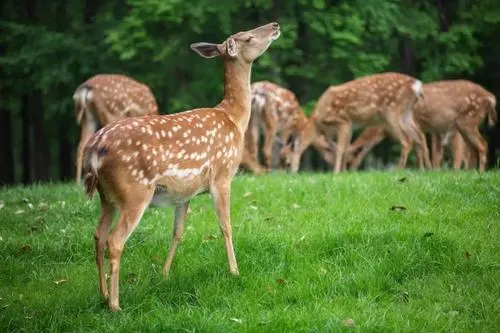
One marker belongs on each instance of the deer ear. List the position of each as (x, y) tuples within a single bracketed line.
[(206, 50), (231, 48)]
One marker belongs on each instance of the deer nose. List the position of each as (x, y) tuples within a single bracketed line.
[(276, 25)]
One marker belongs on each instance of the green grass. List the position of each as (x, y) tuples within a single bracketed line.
[(313, 250)]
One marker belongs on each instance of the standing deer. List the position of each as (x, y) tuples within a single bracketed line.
[(277, 110), (105, 98), (380, 99), (171, 159), (450, 108)]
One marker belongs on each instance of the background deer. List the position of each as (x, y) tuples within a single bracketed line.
[(172, 158), (460, 151), (450, 109), (105, 98), (278, 112), (380, 99), (372, 136)]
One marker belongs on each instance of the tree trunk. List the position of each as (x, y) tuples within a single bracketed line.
[(443, 13), (66, 161), (26, 142), (40, 151), (409, 61), (6, 148)]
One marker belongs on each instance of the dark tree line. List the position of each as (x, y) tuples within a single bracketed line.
[(48, 48)]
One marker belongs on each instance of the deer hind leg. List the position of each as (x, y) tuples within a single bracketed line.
[(414, 133), (344, 134), (180, 217), (476, 144), (89, 126), (130, 214), (101, 237), (418, 136), (436, 149), (403, 138), (457, 148), (221, 193), (270, 130)]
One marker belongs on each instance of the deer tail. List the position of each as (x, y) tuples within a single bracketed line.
[(81, 98), (492, 112), (417, 88), (92, 163)]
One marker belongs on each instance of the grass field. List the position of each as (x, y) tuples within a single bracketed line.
[(369, 252)]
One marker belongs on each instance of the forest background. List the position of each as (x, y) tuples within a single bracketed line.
[(48, 48)]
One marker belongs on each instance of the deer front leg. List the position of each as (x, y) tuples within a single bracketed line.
[(283, 137), (251, 148), (326, 150), (270, 130), (368, 139), (88, 128), (221, 197), (180, 217), (101, 237)]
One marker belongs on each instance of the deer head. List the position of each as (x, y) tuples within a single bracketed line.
[(244, 46)]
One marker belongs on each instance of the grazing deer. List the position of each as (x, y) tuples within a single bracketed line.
[(278, 111), (172, 158), (380, 99), (451, 108), (105, 98)]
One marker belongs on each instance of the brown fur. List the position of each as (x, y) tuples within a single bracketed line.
[(105, 98), (170, 159), (277, 110), (455, 106), (384, 99)]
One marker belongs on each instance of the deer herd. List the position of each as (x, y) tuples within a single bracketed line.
[(140, 157)]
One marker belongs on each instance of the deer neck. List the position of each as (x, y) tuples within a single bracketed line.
[(236, 100), (308, 134)]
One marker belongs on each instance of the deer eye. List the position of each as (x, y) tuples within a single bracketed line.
[(249, 39)]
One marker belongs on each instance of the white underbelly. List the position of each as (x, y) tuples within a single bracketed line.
[(164, 196)]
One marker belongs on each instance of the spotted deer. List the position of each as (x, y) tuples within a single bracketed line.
[(105, 98), (450, 109), (380, 99), (172, 158), (277, 110)]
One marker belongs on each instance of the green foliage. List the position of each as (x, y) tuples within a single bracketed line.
[(54, 48), (313, 251)]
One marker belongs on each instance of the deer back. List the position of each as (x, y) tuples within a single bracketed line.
[(445, 101), (111, 97), (277, 104), (183, 152), (365, 100)]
